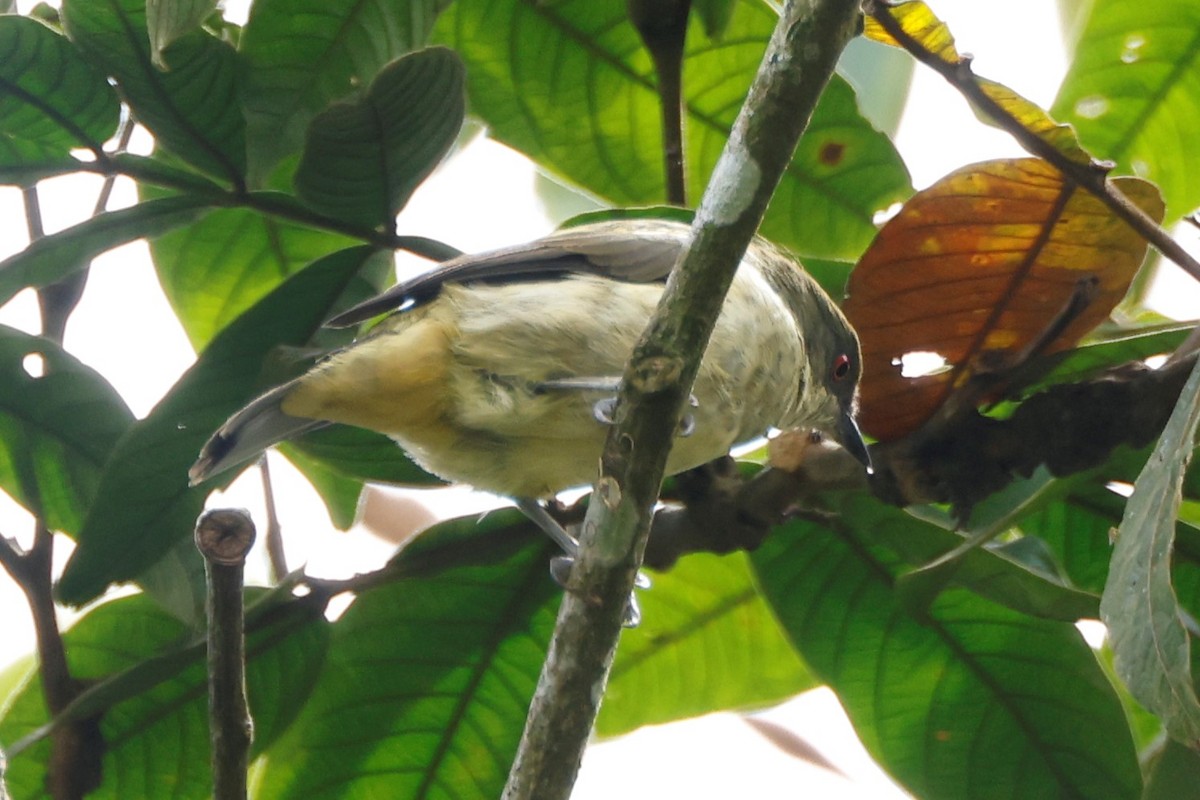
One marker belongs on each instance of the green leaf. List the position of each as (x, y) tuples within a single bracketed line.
[(49, 94), (192, 106), (707, 642), (363, 159), (972, 700), (1117, 347), (157, 735), (216, 268), (715, 14), (578, 96), (1133, 87), (169, 20), (436, 671), (144, 505), (54, 257), (340, 494), (1149, 641), (56, 430), (363, 455), (989, 572), (302, 55), (1173, 772)]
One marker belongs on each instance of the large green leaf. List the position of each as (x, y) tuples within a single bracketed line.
[(363, 159), (52, 258), (1149, 640), (144, 505), (56, 430), (156, 741), (707, 642), (569, 84), (169, 20), (1133, 93), (435, 672), (49, 93), (302, 55), (191, 106), (216, 268), (969, 700)]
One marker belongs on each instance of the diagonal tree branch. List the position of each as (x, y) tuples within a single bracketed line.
[(800, 58)]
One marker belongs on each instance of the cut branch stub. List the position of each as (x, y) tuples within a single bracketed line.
[(973, 271)]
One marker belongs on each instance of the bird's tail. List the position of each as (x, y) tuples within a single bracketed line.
[(248, 432)]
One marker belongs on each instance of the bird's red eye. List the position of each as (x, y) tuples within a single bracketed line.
[(841, 367)]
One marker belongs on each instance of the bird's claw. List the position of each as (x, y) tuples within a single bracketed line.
[(605, 411), (560, 570)]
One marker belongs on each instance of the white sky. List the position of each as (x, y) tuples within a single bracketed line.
[(1015, 42)]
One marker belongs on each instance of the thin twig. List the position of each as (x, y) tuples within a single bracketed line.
[(224, 537), (662, 24), (1091, 176), (276, 557), (74, 767), (796, 67)]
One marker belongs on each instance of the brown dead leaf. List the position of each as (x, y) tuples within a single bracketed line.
[(974, 270)]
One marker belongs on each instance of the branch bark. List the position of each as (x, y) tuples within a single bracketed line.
[(800, 58)]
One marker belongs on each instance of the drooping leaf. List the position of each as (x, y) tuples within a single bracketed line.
[(439, 699), (169, 20), (1133, 89), (192, 106), (54, 257), (144, 504), (932, 36), (50, 95), (974, 269), (157, 736), (363, 159), (302, 55), (57, 428), (1150, 643), (707, 642), (591, 114), (970, 701)]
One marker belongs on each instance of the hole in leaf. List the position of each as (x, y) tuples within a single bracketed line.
[(1154, 362), (921, 363), (1123, 488), (1092, 107), (34, 365), (884, 214)]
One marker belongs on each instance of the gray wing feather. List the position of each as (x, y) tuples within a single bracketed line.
[(637, 251)]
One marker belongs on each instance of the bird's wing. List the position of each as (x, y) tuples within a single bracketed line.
[(639, 251)]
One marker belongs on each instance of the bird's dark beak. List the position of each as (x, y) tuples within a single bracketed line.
[(850, 438)]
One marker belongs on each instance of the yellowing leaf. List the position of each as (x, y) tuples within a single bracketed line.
[(976, 268)]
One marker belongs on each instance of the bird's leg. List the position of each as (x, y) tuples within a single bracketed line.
[(560, 566), (604, 410)]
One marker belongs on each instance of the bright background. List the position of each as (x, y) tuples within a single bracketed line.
[(488, 196)]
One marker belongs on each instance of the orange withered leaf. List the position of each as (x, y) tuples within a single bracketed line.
[(976, 268)]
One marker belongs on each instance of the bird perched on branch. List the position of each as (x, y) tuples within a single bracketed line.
[(498, 369)]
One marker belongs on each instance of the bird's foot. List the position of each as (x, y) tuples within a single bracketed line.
[(560, 570)]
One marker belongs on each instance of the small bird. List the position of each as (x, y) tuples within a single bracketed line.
[(498, 369)]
